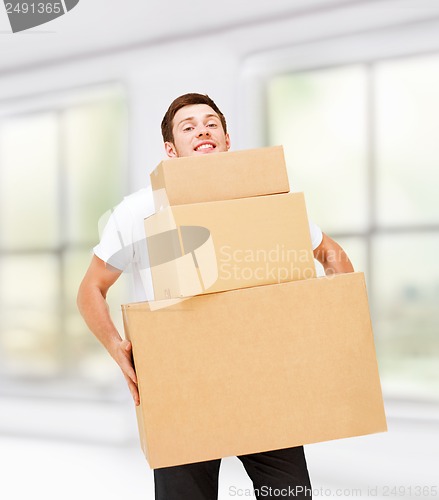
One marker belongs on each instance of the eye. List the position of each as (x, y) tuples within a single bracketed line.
[(213, 125), (188, 128)]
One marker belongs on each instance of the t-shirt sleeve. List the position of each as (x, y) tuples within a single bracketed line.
[(115, 246), (316, 234)]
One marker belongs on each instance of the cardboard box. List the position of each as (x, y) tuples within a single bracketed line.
[(255, 369), (224, 245), (220, 176)]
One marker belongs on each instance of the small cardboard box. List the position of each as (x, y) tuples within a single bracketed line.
[(255, 369), (223, 245), (220, 176)]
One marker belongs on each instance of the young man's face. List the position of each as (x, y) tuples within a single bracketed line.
[(197, 130)]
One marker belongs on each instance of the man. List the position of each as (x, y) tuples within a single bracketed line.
[(193, 125)]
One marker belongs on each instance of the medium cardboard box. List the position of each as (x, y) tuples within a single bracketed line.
[(221, 176), (255, 369), (223, 245)]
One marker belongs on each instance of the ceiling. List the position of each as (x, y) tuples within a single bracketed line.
[(102, 26)]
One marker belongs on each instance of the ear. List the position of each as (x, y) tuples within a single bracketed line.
[(228, 141), (170, 150)]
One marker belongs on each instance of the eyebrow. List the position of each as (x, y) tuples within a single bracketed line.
[(210, 115)]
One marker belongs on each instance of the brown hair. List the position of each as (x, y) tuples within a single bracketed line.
[(181, 102)]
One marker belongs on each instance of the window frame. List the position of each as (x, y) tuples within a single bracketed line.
[(64, 386), (414, 40)]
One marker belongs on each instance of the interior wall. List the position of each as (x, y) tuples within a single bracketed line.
[(152, 77), (226, 63), (230, 65)]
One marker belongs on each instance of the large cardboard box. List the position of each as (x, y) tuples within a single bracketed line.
[(255, 369), (223, 245), (221, 176)]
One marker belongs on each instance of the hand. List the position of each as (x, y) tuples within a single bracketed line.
[(124, 358)]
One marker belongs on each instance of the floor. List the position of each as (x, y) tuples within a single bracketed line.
[(402, 463)]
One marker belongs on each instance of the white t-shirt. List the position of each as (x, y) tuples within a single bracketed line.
[(123, 241)]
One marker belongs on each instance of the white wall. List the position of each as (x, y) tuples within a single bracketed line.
[(229, 64)]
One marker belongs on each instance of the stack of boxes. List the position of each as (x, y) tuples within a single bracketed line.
[(244, 349)]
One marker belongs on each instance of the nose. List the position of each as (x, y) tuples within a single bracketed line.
[(203, 131)]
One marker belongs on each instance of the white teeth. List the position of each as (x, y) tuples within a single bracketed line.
[(205, 146)]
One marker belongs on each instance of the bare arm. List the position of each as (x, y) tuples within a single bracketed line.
[(94, 309), (333, 258)]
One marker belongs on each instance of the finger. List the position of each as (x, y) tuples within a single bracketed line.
[(132, 386), (126, 345), (128, 369), (134, 391)]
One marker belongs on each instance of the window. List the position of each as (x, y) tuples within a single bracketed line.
[(361, 141), (60, 170)]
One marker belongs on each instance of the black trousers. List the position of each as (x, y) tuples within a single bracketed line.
[(275, 474)]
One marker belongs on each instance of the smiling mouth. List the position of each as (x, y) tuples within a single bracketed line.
[(205, 147)]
